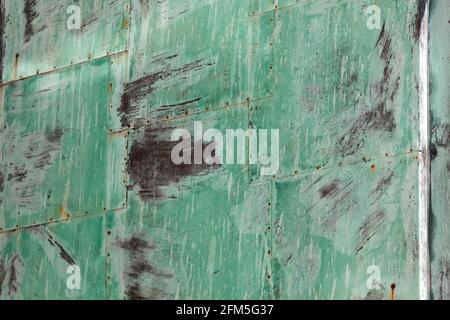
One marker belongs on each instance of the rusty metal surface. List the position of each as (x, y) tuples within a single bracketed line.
[(86, 177)]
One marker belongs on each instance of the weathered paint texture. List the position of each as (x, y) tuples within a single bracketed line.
[(440, 148), (86, 177)]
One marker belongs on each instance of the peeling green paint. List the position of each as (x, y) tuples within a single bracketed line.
[(85, 177)]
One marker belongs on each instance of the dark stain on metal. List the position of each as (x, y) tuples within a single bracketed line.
[(433, 151), (88, 24), (2, 181), (137, 249), (54, 136), (383, 183), (30, 14), (180, 104), (18, 174), (330, 189), (135, 244), (335, 192), (314, 183), (137, 91), (444, 279), (417, 25), (375, 294), (441, 136), (13, 282), (150, 165), (2, 38), (2, 276), (384, 91), (41, 152), (62, 252), (369, 228)]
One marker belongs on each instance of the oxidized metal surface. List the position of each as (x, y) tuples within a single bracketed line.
[(86, 177)]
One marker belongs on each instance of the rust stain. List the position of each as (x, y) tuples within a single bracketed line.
[(15, 66), (393, 291), (64, 213), (110, 89), (117, 134)]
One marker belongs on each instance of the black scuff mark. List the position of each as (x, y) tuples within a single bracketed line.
[(2, 181), (14, 269), (18, 174), (62, 251), (139, 267), (54, 136), (163, 107), (138, 91), (441, 135), (333, 215), (330, 189), (30, 13), (150, 165), (382, 34), (378, 118), (2, 38), (335, 193), (135, 244), (433, 151), (31, 155), (418, 19), (382, 185), (87, 25), (2, 276), (42, 155), (376, 293), (444, 279), (65, 255), (313, 183), (368, 229), (440, 139)]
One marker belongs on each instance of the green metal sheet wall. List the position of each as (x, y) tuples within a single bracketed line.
[(85, 172), (440, 139)]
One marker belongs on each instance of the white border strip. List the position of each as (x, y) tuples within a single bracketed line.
[(424, 163)]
